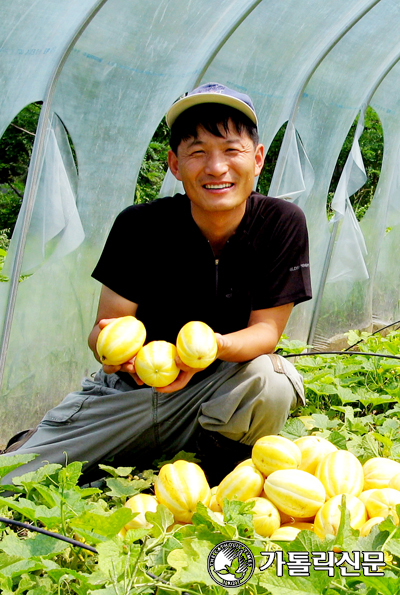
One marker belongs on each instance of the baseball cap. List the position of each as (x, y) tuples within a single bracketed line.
[(212, 93)]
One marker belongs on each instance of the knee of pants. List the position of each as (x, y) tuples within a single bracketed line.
[(272, 405)]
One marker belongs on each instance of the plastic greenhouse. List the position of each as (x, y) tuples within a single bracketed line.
[(106, 72)]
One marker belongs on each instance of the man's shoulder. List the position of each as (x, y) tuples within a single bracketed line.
[(170, 205), (267, 215), (268, 205)]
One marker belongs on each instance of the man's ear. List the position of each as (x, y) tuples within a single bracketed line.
[(259, 159), (173, 164)]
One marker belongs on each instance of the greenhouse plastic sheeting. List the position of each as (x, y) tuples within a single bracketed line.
[(106, 72)]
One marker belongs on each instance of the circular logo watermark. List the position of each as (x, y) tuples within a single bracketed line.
[(230, 564)]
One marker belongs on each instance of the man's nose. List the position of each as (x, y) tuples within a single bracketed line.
[(216, 164)]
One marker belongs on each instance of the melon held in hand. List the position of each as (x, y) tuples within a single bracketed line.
[(155, 364), (120, 340), (196, 344)]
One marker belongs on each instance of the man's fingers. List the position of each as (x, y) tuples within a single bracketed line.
[(111, 369), (137, 379), (104, 321), (184, 367), (178, 384)]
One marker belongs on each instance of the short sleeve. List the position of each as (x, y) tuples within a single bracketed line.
[(283, 268), (117, 261)]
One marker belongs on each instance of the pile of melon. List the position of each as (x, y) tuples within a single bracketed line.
[(294, 485)]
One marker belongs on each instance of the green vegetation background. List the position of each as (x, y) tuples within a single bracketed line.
[(352, 400), (17, 141)]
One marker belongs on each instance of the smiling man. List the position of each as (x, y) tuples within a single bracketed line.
[(219, 253)]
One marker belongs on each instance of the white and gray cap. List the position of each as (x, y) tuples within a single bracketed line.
[(212, 93)]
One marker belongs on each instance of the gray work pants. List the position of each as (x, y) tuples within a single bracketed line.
[(108, 421)]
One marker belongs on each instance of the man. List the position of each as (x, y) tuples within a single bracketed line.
[(221, 254)]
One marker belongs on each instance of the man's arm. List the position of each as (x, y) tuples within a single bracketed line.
[(261, 335)]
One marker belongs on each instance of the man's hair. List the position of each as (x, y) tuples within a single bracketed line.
[(214, 118)]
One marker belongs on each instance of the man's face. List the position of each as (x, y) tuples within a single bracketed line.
[(217, 172)]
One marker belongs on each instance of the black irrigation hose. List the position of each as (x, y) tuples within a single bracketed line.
[(76, 543), (384, 355), (49, 533), (71, 541), (347, 350), (374, 333)]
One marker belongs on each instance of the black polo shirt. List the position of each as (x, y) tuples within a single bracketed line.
[(157, 257)]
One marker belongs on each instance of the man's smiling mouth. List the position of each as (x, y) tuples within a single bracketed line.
[(218, 186)]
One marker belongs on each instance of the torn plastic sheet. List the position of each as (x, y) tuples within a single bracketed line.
[(353, 175), (294, 176), (171, 185), (348, 258), (55, 228), (349, 252)]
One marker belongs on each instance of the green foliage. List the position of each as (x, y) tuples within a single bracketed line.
[(371, 145), (15, 153), (16, 147), (265, 178), (10, 204), (162, 558), (352, 400), (369, 383), (154, 165)]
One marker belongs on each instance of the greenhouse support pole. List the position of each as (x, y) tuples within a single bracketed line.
[(324, 275), (391, 62), (224, 40), (278, 173), (33, 181)]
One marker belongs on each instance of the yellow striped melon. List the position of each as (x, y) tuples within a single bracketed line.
[(295, 492), (395, 482), (378, 471), (220, 517), (383, 503), (140, 503), (273, 453), (290, 532), (240, 484), (307, 420), (120, 340), (286, 519), (155, 364), (196, 344), (366, 528), (327, 519), (266, 518), (246, 462), (365, 494), (213, 505), (302, 525), (180, 486), (313, 449), (341, 473)]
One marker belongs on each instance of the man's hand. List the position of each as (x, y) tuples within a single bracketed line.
[(224, 344), (261, 336), (185, 375)]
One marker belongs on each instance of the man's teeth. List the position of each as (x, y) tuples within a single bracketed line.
[(217, 186)]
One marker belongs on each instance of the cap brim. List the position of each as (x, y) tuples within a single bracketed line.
[(190, 100)]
